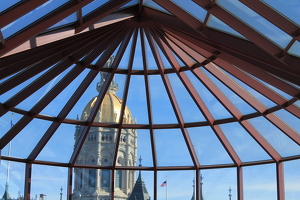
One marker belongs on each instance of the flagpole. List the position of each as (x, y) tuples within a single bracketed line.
[(9, 149), (166, 187)]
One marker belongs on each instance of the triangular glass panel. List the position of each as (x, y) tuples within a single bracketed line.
[(134, 145), (165, 61), (215, 23), (37, 96), (60, 146), (242, 106), (152, 4), (208, 148), (126, 56), (31, 133), (57, 104), (279, 141), (262, 99), (243, 143), (150, 58), (138, 57), (7, 121), (167, 149), (214, 106), (192, 8), (99, 146), (130, 4), (136, 100), (189, 110), (7, 95), (162, 110)]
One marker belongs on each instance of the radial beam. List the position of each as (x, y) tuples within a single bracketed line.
[(100, 13), (280, 181), (148, 100), (101, 95), (172, 98)]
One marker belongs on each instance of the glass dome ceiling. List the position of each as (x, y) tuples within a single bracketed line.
[(194, 87)]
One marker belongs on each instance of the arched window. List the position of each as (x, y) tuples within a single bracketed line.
[(92, 177), (119, 178), (105, 178)]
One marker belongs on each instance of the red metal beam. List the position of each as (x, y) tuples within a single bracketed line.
[(100, 13), (18, 11), (27, 186), (240, 183), (102, 92), (44, 23), (148, 100), (172, 98), (280, 181)]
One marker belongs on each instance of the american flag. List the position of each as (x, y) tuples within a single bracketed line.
[(163, 184)]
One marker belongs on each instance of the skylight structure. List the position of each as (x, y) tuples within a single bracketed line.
[(205, 91)]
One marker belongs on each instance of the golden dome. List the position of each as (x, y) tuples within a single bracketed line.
[(109, 110)]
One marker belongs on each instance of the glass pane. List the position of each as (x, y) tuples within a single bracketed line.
[(241, 105), (136, 100), (57, 104), (98, 147), (125, 58), (138, 58), (60, 147), (256, 21), (70, 19), (37, 96), (89, 182), (280, 142), (291, 179), (214, 22), (262, 99), (49, 182), (154, 5), (7, 95), (189, 110), (135, 148), (32, 133), (260, 182), (31, 17), (175, 185), (289, 9), (215, 107), (93, 6), (130, 3), (87, 98), (162, 110), (216, 183), (295, 49), (7, 121), (192, 8), (6, 4), (150, 58), (130, 185), (167, 149), (243, 143), (12, 179), (289, 119), (208, 148)]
